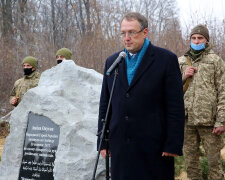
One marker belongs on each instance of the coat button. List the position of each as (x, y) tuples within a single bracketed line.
[(129, 139), (127, 95), (126, 118)]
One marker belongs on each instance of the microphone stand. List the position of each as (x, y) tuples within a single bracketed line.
[(105, 132)]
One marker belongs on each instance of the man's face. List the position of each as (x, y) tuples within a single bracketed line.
[(28, 66), (132, 36), (60, 58), (198, 39)]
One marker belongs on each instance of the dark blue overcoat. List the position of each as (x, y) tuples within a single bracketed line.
[(146, 118)]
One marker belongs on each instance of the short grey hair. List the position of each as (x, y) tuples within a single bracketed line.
[(136, 16)]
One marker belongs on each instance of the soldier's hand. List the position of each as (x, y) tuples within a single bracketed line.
[(218, 130), (14, 101), (189, 72)]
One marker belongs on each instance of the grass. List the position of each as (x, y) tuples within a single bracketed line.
[(205, 167), (180, 166)]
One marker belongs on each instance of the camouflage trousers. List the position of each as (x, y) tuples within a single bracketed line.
[(212, 145)]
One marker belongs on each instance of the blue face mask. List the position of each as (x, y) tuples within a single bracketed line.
[(197, 47)]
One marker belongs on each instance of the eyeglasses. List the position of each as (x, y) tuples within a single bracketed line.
[(130, 33)]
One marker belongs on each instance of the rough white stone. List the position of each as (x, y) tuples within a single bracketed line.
[(69, 96)]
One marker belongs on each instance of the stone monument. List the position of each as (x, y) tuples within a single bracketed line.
[(53, 129)]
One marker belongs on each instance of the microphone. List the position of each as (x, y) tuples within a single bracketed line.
[(121, 56)]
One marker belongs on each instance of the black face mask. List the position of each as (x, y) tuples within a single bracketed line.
[(27, 71), (59, 61)]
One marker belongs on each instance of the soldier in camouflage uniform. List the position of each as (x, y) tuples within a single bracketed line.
[(204, 77), (63, 54), (30, 80)]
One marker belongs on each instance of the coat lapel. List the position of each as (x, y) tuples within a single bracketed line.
[(146, 62)]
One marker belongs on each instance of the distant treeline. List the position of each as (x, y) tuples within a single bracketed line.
[(90, 28)]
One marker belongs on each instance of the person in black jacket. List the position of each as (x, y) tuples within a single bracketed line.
[(146, 120)]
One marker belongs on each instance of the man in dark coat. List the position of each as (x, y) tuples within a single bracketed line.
[(146, 117)]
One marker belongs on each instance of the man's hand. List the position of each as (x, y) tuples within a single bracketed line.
[(14, 101), (189, 72), (103, 153), (218, 130), (169, 154)]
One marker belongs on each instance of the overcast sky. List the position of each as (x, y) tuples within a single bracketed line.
[(200, 10)]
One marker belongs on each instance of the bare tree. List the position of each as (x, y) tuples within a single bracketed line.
[(90, 28), (6, 8), (53, 21)]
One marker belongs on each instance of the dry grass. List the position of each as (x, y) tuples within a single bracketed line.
[(2, 142)]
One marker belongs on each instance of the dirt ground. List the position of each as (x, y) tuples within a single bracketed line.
[(4, 131), (2, 142), (183, 176)]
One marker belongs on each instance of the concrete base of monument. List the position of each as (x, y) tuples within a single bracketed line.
[(68, 96)]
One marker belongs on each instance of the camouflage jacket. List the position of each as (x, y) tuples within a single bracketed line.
[(22, 85), (205, 96)]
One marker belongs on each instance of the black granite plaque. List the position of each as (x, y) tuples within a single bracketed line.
[(40, 145)]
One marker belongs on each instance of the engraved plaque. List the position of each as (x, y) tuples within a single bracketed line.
[(40, 145)]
